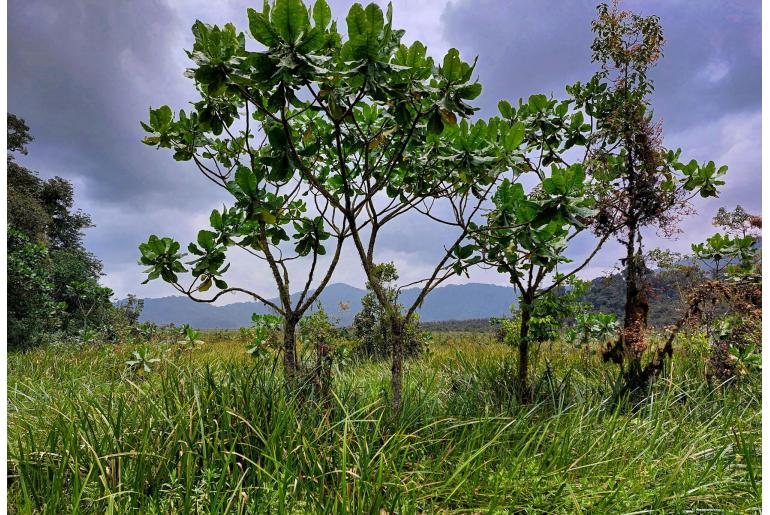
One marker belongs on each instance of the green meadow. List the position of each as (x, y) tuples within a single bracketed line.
[(213, 430)]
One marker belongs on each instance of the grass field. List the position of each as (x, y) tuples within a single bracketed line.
[(212, 431)]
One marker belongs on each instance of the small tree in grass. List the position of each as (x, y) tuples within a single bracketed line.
[(525, 237), (363, 123), (275, 218), (371, 326), (526, 234)]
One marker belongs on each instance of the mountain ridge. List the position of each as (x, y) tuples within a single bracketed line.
[(450, 302)]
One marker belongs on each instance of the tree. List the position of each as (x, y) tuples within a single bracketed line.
[(371, 326), (526, 237), (32, 309), (18, 135), (368, 125), (648, 186), (737, 221), (272, 205), (53, 276), (720, 251), (526, 234), (25, 211)]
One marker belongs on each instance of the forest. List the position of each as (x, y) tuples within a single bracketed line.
[(638, 391)]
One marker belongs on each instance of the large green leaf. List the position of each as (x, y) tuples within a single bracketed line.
[(505, 109), (260, 27), (470, 91), (322, 14), (452, 68), (514, 137), (365, 30), (290, 19), (538, 102), (412, 56), (206, 239), (161, 117), (246, 180)]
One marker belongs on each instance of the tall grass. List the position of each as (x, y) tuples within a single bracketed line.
[(212, 432)]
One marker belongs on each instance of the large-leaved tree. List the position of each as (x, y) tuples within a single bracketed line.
[(370, 125)]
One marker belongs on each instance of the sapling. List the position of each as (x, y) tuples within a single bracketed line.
[(141, 361)]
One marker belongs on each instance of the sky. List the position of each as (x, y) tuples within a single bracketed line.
[(83, 73)]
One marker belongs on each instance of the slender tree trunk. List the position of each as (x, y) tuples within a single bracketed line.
[(396, 370), (522, 379), (637, 307), (290, 349)]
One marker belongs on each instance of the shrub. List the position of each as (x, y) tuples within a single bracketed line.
[(371, 327)]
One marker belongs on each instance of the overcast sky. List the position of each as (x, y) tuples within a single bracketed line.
[(84, 72)]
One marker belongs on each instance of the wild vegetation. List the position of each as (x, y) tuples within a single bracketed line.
[(325, 140), (53, 280), (210, 430)]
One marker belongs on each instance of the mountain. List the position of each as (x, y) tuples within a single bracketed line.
[(470, 303), (665, 288), (452, 302)]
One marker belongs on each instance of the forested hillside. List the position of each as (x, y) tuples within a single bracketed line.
[(607, 294)]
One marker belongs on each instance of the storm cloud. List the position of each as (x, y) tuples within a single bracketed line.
[(84, 72)]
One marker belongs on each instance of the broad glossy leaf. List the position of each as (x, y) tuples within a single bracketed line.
[(290, 19), (505, 109), (246, 181), (261, 28), (514, 137), (322, 14), (206, 239), (452, 67), (365, 30)]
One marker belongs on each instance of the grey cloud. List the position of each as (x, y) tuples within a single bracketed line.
[(84, 72), (712, 62)]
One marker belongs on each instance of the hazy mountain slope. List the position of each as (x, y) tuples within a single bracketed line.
[(453, 302)]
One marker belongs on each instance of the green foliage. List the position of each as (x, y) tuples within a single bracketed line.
[(320, 334), (525, 232), (125, 325), (371, 326), (746, 359), (593, 327), (263, 335), (53, 280), (552, 311), (352, 126), (510, 329), (163, 258), (721, 250), (190, 337), (32, 310), (380, 90), (317, 329), (168, 443), (141, 361)]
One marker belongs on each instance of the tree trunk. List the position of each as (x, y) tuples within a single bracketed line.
[(289, 349), (635, 319), (396, 370), (522, 387)]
